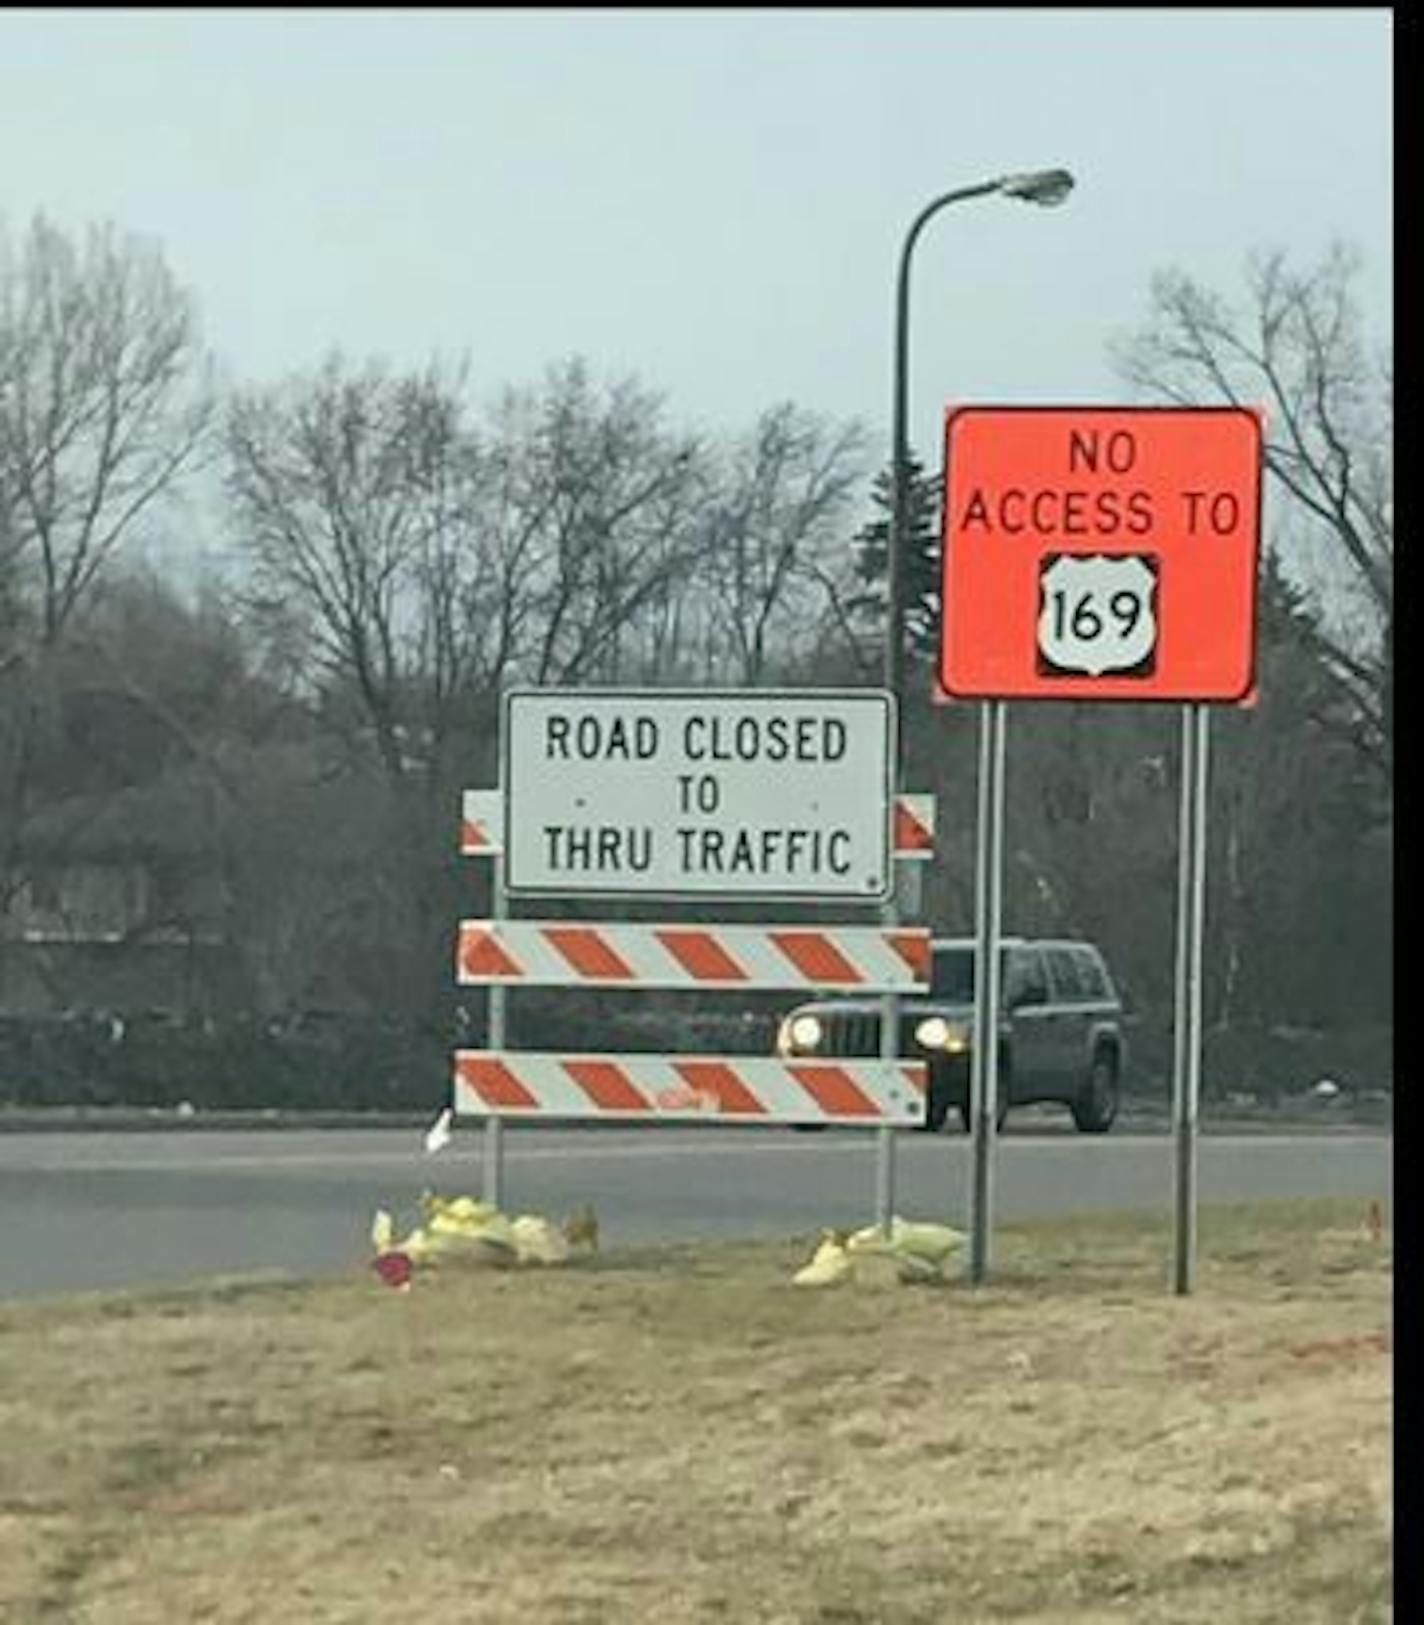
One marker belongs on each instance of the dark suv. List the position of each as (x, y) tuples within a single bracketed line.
[(1060, 1033)]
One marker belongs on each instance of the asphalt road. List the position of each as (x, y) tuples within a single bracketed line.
[(94, 1210)]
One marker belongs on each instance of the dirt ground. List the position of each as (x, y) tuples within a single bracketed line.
[(675, 1435)]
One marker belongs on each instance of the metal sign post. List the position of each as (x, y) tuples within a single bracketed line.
[(493, 1139), (885, 1171), (907, 904), (988, 907), (1187, 1017), (889, 1041), (885, 1137)]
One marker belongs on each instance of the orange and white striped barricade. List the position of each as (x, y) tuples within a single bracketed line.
[(576, 953), (482, 825), (913, 834), (687, 1088)]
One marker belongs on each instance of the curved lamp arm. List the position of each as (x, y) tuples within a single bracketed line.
[(1046, 187)]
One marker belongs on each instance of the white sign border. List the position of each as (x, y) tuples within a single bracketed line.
[(706, 893)]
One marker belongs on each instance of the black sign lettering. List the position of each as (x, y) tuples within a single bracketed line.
[(976, 512), (775, 739), (1086, 446), (590, 738), (1052, 514), (606, 848), (789, 852)]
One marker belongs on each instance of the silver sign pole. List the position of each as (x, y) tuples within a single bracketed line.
[(988, 899), (1187, 1014), (885, 1133), (889, 1019), (493, 1139)]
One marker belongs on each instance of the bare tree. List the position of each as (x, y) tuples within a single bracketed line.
[(346, 490), (594, 522), (427, 565), (1298, 350), (103, 404), (776, 555), (433, 565)]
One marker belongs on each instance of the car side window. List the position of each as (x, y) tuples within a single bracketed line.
[(1063, 973), (1024, 979), (1090, 974)]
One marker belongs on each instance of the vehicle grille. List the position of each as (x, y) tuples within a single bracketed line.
[(858, 1034)]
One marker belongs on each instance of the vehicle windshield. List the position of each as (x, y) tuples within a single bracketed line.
[(952, 975)]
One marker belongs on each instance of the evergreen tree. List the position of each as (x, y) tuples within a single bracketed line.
[(921, 563)]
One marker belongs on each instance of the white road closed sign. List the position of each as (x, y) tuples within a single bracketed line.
[(769, 793)]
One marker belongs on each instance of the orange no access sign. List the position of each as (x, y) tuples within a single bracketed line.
[(1100, 552)]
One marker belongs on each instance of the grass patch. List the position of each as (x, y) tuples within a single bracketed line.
[(679, 1435)]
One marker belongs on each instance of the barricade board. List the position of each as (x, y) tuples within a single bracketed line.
[(544, 953), (671, 1088)]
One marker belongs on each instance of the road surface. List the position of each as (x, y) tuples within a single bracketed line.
[(94, 1210)]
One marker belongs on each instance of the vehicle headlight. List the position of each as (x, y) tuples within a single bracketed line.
[(934, 1032), (800, 1033)]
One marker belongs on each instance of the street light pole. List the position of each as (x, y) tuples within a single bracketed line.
[(899, 446), (1045, 187)]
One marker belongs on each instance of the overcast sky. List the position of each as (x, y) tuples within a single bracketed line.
[(711, 199)]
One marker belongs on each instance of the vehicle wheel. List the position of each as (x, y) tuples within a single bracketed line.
[(1096, 1105)]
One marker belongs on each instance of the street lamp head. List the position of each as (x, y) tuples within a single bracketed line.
[(1045, 186)]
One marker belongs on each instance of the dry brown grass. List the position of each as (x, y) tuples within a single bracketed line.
[(680, 1435)]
